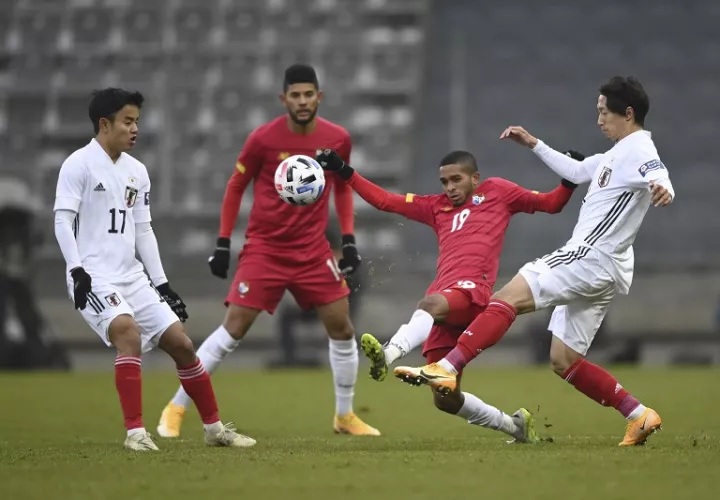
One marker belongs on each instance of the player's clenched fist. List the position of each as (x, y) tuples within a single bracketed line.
[(519, 135), (661, 197), (82, 286), (174, 301), (350, 261), (219, 261), (329, 160)]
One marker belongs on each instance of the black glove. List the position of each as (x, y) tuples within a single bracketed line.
[(350, 261), (173, 300), (329, 160), (219, 262), (577, 157), (82, 286)]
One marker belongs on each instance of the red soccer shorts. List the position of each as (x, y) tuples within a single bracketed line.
[(465, 304), (261, 279)]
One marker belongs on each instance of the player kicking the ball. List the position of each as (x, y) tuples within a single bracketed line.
[(470, 220), (582, 277), (102, 216), (286, 248)]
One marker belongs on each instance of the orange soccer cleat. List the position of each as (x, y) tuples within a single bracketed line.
[(433, 375), (639, 429), (353, 425)]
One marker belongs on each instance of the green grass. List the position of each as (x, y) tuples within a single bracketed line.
[(61, 437)]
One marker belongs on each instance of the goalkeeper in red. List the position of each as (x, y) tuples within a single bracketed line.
[(286, 248), (470, 220)]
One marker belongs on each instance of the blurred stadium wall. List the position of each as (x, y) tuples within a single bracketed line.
[(410, 79)]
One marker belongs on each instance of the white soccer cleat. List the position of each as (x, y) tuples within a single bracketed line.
[(227, 436), (140, 441), (524, 428)]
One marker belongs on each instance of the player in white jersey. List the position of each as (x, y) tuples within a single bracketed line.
[(102, 216), (582, 277)]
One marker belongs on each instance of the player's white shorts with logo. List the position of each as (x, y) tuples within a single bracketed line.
[(572, 279), (138, 299)]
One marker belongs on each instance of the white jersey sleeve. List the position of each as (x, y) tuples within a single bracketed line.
[(142, 209), (653, 170), (70, 186), (577, 172)]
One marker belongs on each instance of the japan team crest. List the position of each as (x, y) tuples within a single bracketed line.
[(112, 299), (604, 177), (478, 198), (130, 196)]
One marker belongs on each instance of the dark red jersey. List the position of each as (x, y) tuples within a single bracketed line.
[(274, 224), (470, 236)]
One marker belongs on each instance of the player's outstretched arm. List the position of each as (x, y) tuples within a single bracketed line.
[(577, 172), (372, 193), (523, 200), (653, 175)]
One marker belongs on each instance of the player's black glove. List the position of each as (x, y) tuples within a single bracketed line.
[(174, 301), (219, 262), (82, 286), (577, 157), (329, 160), (350, 261)]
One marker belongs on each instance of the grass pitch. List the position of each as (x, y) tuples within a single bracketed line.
[(61, 437)]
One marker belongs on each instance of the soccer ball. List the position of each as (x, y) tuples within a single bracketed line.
[(299, 180)]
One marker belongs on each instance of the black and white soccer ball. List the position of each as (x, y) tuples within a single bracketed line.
[(299, 180)]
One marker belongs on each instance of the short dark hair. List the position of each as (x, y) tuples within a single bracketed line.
[(461, 158), (106, 103), (300, 73), (622, 93)]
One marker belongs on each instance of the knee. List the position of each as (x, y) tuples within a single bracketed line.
[(342, 331), (434, 305), (449, 404), (562, 359), (238, 320), (124, 334)]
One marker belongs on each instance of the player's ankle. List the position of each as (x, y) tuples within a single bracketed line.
[(136, 430), (214, 428), (392, 353)]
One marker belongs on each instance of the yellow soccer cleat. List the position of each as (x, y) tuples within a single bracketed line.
[(432, 375), (639, 429), (353, 425), (374, 352), (171, 421)]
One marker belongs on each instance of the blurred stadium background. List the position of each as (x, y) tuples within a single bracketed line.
[(410, 79)]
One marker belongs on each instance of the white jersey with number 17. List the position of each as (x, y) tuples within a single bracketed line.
[(109, 199)]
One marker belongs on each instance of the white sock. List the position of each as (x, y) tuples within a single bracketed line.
[(218, 345), (478, 412), (137, 430), (215, 428), (637, 412), (344, 363), (410, 336)]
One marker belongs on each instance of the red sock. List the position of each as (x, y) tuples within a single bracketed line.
[(128, 382), (487, 329), (196, 382), (600, 386)]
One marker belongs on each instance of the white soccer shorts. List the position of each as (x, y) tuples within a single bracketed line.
[(138, 299), (573, 280)]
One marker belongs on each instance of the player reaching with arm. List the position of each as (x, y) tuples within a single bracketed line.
[(286, 248), (470, 220), (597, 262), (102, 216)]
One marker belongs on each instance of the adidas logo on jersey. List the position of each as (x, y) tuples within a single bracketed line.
[(99, 187)]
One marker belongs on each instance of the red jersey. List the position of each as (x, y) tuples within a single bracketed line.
[(470, 236), (273, 223)]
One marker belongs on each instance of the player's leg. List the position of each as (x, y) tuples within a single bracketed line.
[(194, 379), (520, 425), (112, 318), (454, 306), (258, 285), (344, 362), (321, 285), (574, 326), (486, 329)]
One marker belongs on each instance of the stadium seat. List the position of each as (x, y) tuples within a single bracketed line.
[(90, 28), (193, 27), (142, 28)]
